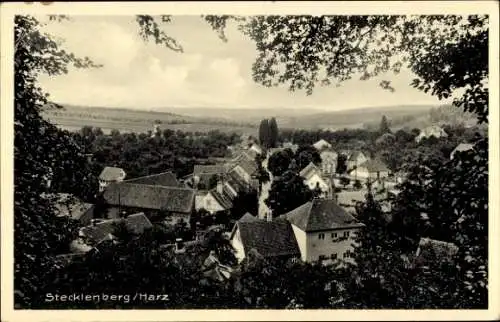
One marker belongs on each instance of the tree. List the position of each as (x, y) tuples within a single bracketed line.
[(287, 193), (306, 154), (341, 164), (38, 232), (264, 133), (345, 181), (384, 126), (357, 185), (279, 162), (273, 133)]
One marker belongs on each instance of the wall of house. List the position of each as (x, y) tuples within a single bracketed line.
[(330, 244), (328, 161), (238, 246), (211, 205), (312, 181), (231, 189), (301, 238)]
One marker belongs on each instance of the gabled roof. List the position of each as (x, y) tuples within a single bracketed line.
[(321, 214), (166, 179), (249, 166), (68, 205), (248, 217), (172, 199), (431, 250), (330, 150), (373, 165), (463, 147), (321, 144), (112, 174), (136, 223), (208, 169), (354, 155), (309, 170), (222, 199), (268, 238)]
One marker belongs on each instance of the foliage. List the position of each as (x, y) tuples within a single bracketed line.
[(306, 154), (341, 167), (384, 126), (268, 133), (280, 161), (287, 193), (42, 153)]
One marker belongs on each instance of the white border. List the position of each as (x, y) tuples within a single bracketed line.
[(8, 10)]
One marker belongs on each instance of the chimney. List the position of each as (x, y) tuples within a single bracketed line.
[(269, 216), (220, 186)]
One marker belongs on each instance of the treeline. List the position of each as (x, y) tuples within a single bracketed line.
[(143, 154)]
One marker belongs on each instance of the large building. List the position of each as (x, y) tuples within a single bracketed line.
[(318, 231)]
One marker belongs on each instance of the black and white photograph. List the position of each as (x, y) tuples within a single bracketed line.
[(201, 160)]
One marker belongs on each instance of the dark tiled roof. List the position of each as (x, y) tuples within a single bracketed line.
[(374, 165), (166, 179), (171, 199), (249, 166), (69, 205), (236, 181), (431, 250), (208, 169), (222, 199), (321, 214), (248, 218), (275, 238), (111, 174), (137, 223)]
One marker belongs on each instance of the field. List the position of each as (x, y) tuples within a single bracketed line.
[(73, 118)]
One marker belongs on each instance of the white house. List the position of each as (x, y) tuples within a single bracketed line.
[(313, 178), (355, 158), (214, 200), (324, 231), (370, 170), (256, 148), (322, 144), (433, 130), (328, 161), (110, 175)]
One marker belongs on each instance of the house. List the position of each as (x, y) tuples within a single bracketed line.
[(328, 161), (431, 250), (214, 200), (268, 238), (97, 232), (256, 148), (322, 144), (245, 169), (355, 158), (67, 205), (165, 179), (248, 217), (324, 231), (314, 179), (204, 174), (373, 170), (110, 175), (461, 148), (170, 204), (433, 130)]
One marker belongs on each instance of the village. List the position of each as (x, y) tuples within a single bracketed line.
[(322, 230)]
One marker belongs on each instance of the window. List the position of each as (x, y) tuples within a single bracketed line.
[(346, 233), (333, 256), (321, 236), (347, 254), (321, 257), (334, 235)]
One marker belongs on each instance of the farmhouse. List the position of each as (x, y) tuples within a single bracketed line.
[(370, 170), (355, 158), (98, 232), (461, 148), (328, 161), (110, 175), (267, 238), (324, 231), (169, 204), (67, 205), (314, 179), (433, 130)]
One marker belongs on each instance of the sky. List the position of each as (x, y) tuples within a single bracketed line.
[(209, 73)]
